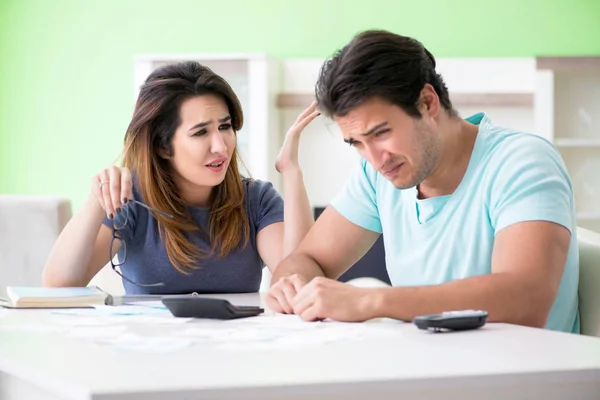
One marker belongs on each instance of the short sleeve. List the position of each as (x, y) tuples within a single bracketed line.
[(531, 184), (267, 204), (357, 201)]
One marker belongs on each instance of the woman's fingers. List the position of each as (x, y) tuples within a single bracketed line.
[(115, 188), (105, 191), (126, 185), (307, 120), (309, 110)]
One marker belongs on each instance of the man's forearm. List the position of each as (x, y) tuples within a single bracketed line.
[(297, 263), (506, 298)]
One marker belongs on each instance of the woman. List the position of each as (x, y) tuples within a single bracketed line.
[(178, 214)]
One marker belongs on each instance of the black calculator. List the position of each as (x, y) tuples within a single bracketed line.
[(452, 320), (205, 307)]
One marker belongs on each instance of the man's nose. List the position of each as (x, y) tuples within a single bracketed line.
[(377, 157)]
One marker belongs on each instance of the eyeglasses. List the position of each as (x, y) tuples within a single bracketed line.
[(119, 223)]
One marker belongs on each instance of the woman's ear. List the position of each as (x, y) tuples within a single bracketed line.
[(164, 153), (165, 150)]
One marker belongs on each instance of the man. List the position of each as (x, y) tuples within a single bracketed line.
[(474, 216)]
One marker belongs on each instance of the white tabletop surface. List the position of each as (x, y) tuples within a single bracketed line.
[(498, 361)]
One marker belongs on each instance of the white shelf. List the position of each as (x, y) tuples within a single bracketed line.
[(300, 100), (588, 215), (577, 142)]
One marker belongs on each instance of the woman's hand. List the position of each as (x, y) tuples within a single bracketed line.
[(287, 160), (112, 187)]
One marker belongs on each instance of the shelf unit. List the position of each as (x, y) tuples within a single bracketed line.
[(577, 142), (589, 216), (254, 78), (568, 113)]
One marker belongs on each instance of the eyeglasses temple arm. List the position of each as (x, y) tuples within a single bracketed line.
[(152, 209)]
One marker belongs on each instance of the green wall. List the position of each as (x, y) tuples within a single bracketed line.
[(66, 70)]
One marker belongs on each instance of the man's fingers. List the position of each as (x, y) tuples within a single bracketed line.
[(282, 301), (273, 303), (302, 304), (297, 283), (311, 314), (289, 292), (303, 293)]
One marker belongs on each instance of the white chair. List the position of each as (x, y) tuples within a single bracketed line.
[(29, 226), (589, 281)]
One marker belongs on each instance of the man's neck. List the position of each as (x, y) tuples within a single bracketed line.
[(458, 142)]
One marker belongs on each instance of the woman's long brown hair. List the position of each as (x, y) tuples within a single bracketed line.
[(155, 119)]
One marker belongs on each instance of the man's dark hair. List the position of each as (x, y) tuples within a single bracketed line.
[(381, 64)]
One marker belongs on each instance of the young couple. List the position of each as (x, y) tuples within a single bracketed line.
[(474, 216)]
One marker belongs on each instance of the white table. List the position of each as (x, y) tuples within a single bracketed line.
[(498, 361)]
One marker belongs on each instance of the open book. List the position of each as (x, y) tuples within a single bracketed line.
[(59, 297)]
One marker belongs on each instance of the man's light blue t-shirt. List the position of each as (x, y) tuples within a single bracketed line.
[(512, 177)]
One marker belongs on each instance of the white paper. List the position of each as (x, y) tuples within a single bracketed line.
[(145, 329), (117, 326), (281, 331), (109, 315)]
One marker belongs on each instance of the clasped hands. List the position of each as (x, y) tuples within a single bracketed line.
[(321, 298)]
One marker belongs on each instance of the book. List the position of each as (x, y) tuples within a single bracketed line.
[(54, 297), (72, 297)]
